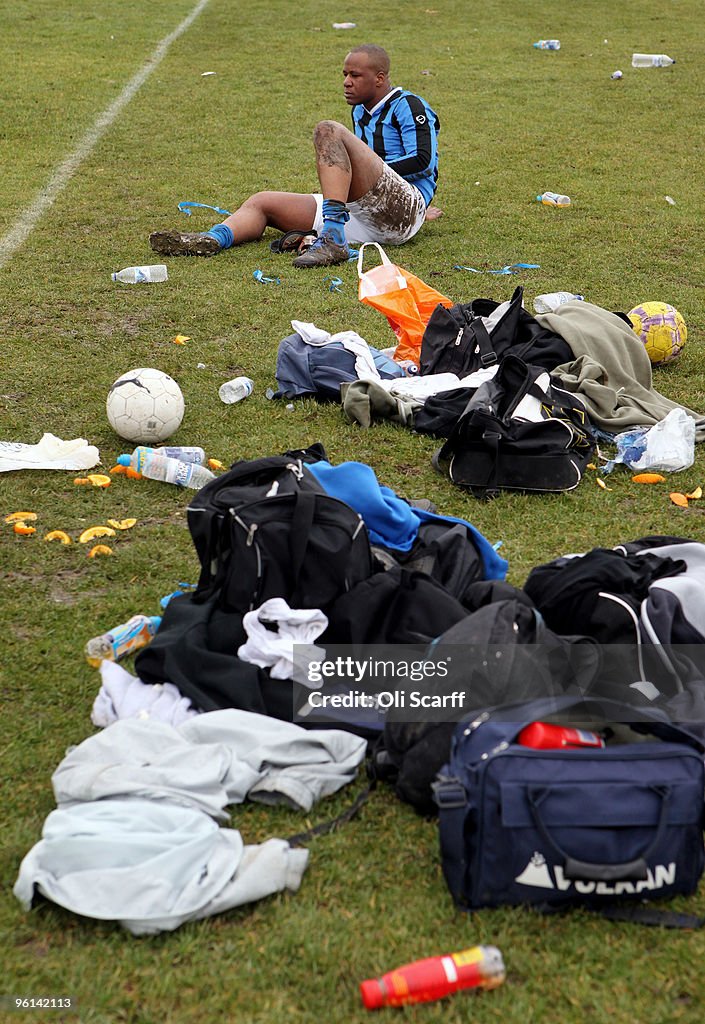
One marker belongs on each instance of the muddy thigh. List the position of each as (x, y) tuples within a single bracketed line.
[(393, 207)]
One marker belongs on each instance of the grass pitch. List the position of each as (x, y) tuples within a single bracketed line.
[(515, 122)]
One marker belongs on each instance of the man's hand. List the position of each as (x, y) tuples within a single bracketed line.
[(433, 213)]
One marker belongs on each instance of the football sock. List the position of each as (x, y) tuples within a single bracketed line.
[(335, 217), (222, 234)]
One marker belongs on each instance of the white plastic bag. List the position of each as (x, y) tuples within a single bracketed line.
[(50, 453), (670, 445)]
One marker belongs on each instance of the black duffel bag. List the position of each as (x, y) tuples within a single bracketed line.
[(518, 432), (474, 335)]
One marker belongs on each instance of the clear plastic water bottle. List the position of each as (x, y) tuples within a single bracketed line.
[(186, 454), (172, 471), (140, 275), (553, 199), (235, 390), (124, 639), (548, 44), (651, 60), (552, 300)]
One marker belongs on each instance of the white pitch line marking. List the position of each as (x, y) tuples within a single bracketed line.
[(45, 198)]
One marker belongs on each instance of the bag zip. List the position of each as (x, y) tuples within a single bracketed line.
[(251, 529)]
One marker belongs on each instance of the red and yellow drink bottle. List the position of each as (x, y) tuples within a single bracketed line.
[(434, 978), (544, 736)]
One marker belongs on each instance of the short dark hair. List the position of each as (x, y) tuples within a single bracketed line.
[(378, 56)]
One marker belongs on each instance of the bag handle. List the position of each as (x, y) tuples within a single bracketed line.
[(592, 870), (383, 256), (299, 533)]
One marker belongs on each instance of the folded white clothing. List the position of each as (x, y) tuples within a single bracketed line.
[(123, 695), (272, 631), (151, 866), (49, 453)]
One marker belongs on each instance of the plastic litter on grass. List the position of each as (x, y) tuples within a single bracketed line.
[(260, 276), (186, 206)]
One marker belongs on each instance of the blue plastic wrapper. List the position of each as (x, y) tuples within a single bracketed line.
[(630, 448)]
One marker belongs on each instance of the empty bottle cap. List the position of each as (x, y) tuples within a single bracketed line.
[(123, 460)]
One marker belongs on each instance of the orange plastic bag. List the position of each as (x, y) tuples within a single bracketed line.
[(404, 299)]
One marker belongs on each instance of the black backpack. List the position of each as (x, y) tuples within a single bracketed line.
[(267, 528), (499, 653), (494, 446)]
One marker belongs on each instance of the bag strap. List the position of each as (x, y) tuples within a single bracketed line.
[(488, 356), (301, 525), (651, 917), (328, 826)]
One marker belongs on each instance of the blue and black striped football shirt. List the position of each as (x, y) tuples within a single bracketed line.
[(403, 130)]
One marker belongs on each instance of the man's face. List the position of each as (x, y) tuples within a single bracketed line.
[(361, 83)]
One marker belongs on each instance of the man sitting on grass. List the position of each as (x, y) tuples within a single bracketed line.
[(376, 184)]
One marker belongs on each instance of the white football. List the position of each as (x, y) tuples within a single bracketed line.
[(145, 405)]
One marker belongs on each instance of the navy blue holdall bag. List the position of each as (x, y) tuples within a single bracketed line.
[(561, 827)]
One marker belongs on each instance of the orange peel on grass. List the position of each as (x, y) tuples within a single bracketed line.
[(96, 531), (100, 549), (20, 517), (678, 499), (694, 495), (58, 535), (215, 464), (23, 530), (648, 478), (94, 479), (127, 471), (122, 524)]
